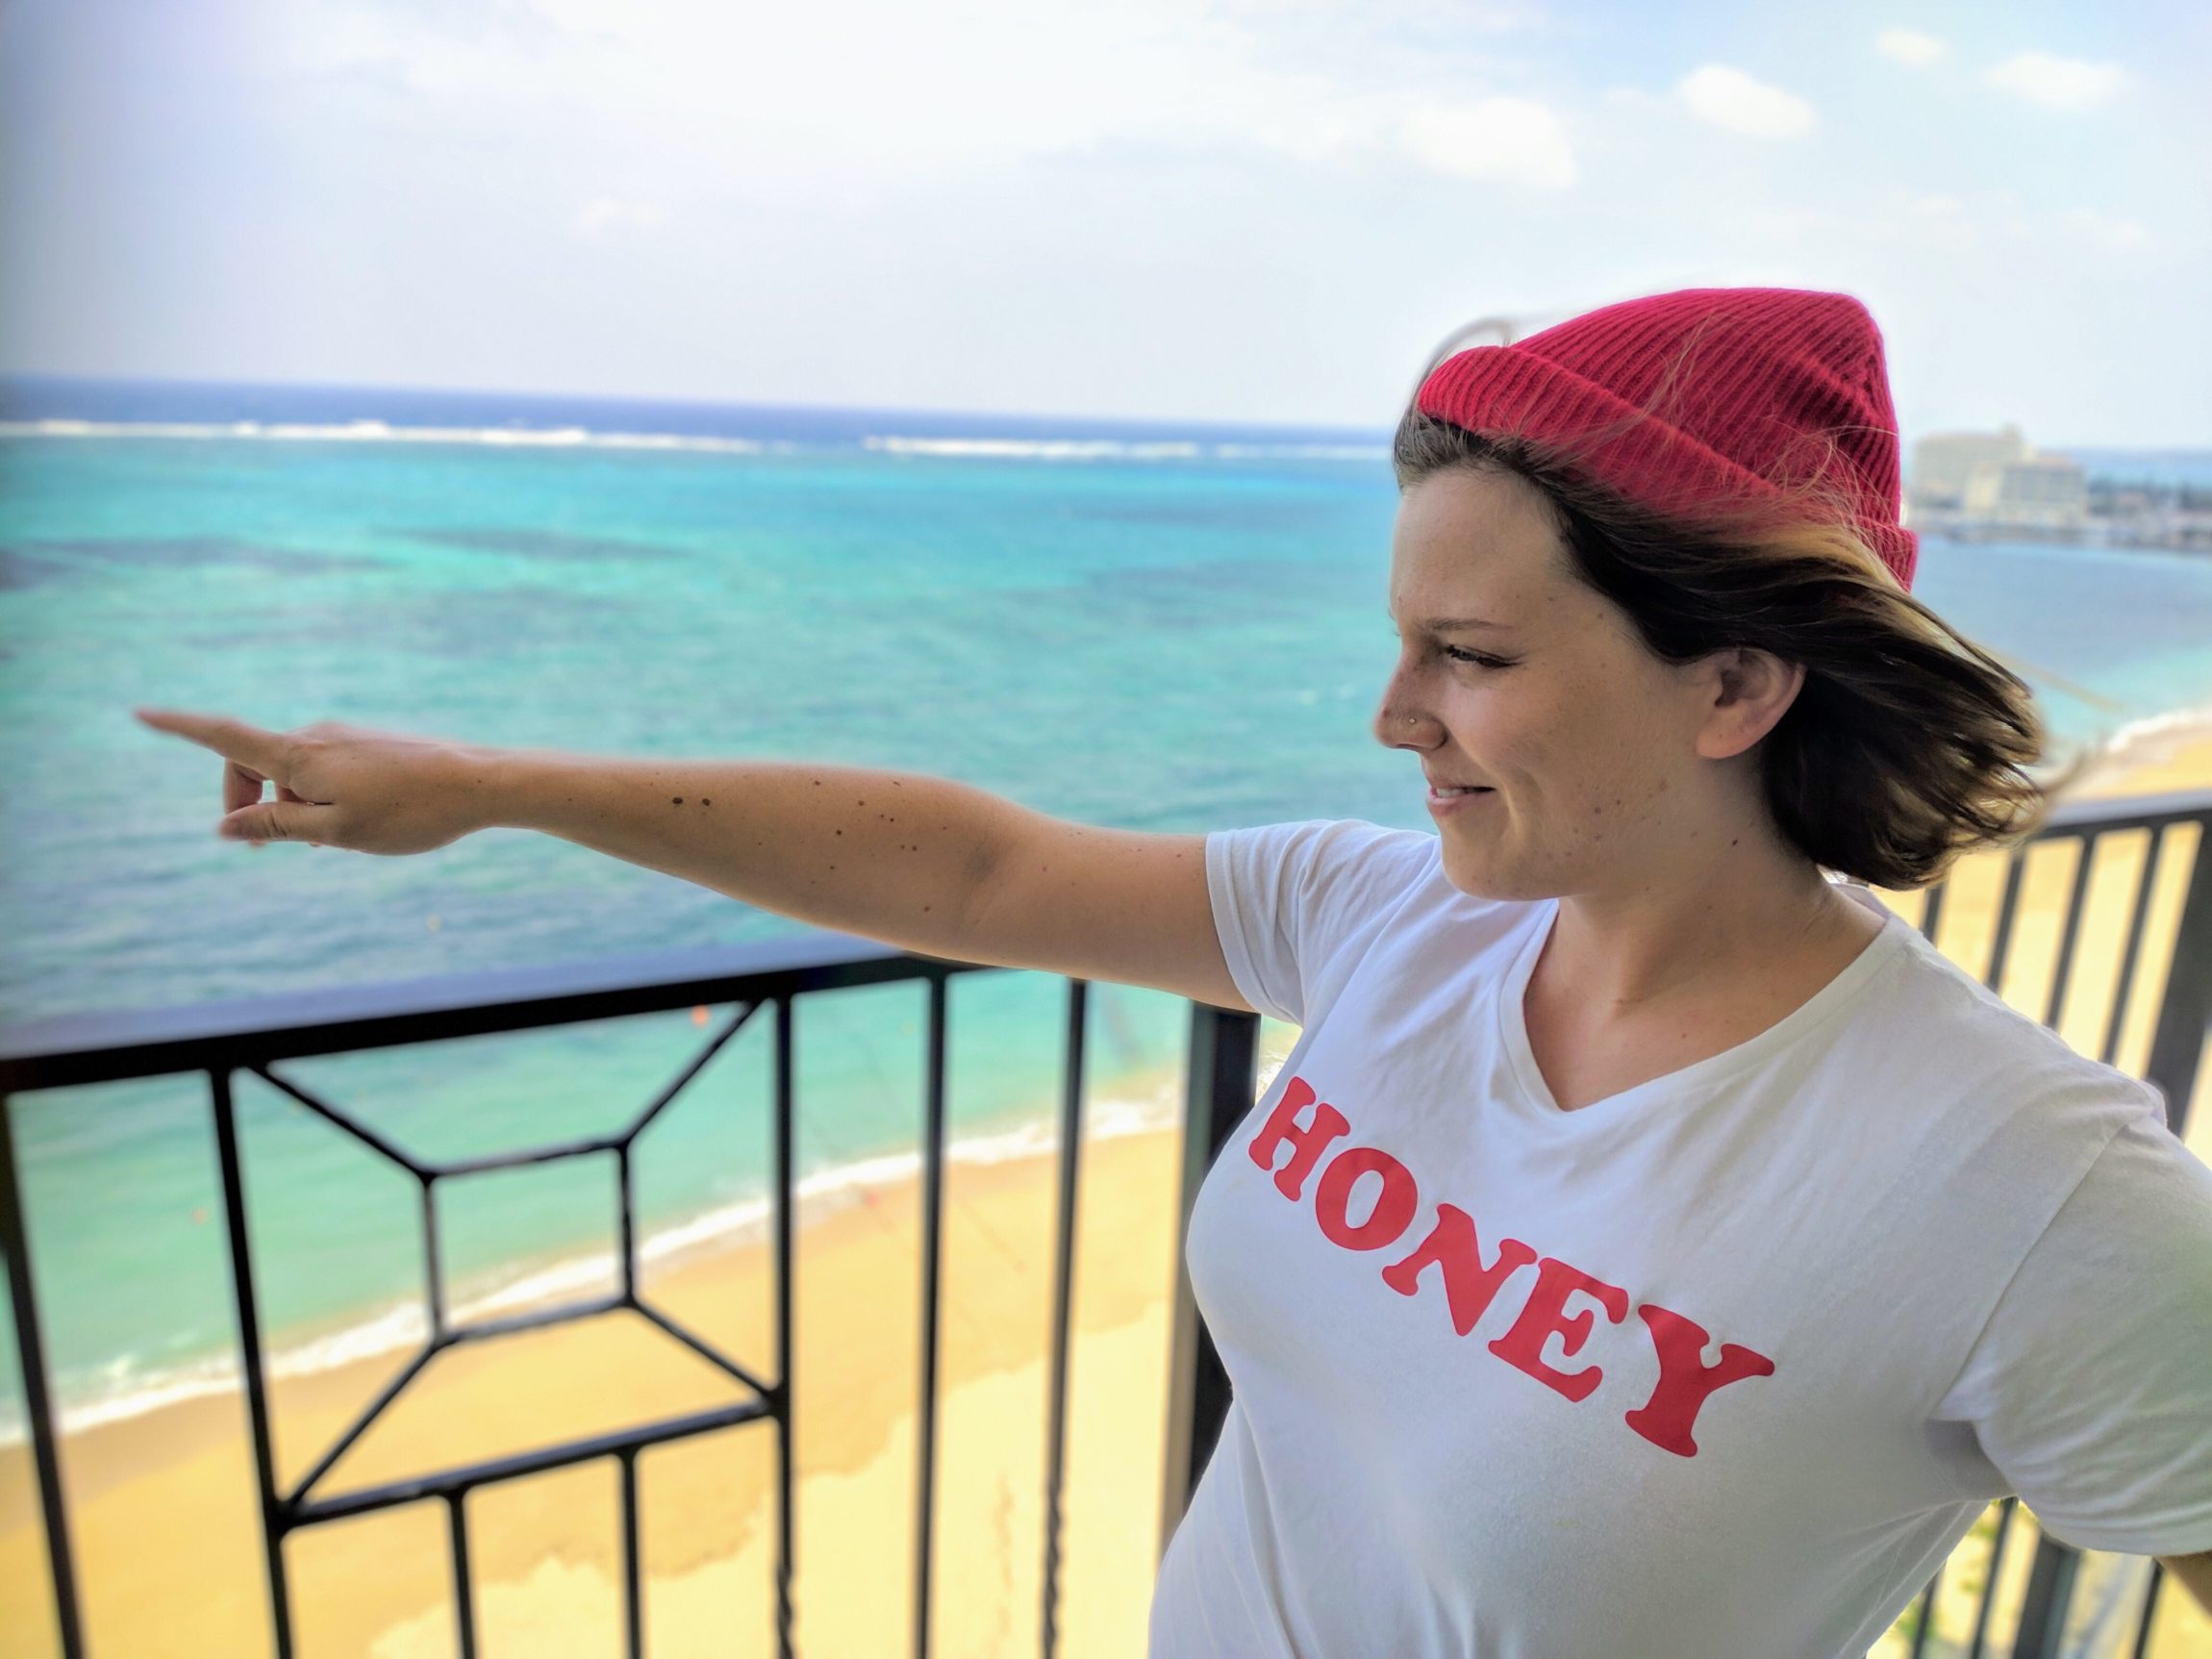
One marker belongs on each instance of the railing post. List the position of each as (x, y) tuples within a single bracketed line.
[(38, 1407), (1221, 1086), (1063, 1298), (2185, 1010), (2044, 1606), (253, 1370)]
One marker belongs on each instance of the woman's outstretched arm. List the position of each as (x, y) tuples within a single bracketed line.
[(897, 856)]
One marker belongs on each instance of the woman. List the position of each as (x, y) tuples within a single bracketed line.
[(1650, 1246)]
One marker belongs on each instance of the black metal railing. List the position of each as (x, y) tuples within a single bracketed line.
[(219, 1039)]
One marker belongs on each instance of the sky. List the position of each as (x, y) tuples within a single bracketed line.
[(1247, 210)]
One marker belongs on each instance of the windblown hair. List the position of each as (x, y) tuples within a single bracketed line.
[(1906, 747)]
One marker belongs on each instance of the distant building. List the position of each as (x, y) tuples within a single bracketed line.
[(2045, 490), (1996, 478), (1946, 462)]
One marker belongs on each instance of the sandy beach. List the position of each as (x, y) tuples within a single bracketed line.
[(162, 1505)]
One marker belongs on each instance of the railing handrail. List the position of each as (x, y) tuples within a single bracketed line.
[(2124, 812), (104, 1045)]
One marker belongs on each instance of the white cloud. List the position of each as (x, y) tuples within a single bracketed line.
[(1516, 140), (1930, 225), (770, 99), (603, 215), (2098, 230), (2025, 231), (1909, 47), (1487, 17), (1730, 98), (2057, 82)]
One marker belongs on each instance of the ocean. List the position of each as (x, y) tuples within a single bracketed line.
[(1150, 625)]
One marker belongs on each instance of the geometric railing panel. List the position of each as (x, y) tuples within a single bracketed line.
[(506, 1397), (449, 1100)]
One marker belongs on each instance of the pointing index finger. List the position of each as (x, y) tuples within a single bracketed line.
[(253, 753), (233, 740)]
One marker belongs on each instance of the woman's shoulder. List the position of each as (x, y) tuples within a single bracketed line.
[(1941, 1022)]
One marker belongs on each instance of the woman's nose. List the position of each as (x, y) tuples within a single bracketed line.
[(1396, 726)]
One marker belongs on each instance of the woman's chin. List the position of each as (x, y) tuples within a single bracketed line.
[(1480, 873)]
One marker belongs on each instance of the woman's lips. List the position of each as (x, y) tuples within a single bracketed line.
[(1441, 802)]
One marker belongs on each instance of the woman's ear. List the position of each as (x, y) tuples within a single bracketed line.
[(1748, 692)]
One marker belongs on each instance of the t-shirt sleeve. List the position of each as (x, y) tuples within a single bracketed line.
[(2090, 1388), (1288, 897)]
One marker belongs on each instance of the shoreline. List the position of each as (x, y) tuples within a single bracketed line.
[(2151, 756), (1134, 1104)]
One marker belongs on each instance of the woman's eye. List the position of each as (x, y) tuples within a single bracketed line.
[(1459, 654)]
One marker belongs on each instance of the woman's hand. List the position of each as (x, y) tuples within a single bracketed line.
[(338, 785)]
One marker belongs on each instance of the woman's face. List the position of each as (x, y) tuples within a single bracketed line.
[(1587, 741)]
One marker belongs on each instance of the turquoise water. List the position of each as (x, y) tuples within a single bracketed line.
[(1152, 628)]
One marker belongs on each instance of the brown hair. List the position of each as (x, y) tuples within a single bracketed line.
[(1905, 746)]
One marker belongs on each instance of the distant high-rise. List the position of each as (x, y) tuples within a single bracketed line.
[(2045, 490), (1996, 477), (1944, 464)]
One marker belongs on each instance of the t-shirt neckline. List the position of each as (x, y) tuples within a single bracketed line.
[(1532, 1097)]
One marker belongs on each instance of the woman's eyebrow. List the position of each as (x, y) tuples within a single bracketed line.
[(1449, 624)]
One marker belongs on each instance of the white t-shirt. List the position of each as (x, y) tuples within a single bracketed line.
[(1725, 1364)]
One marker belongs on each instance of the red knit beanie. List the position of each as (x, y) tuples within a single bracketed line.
[(1699, 396)]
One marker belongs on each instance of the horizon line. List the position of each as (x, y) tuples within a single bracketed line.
[(1178, 423)]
